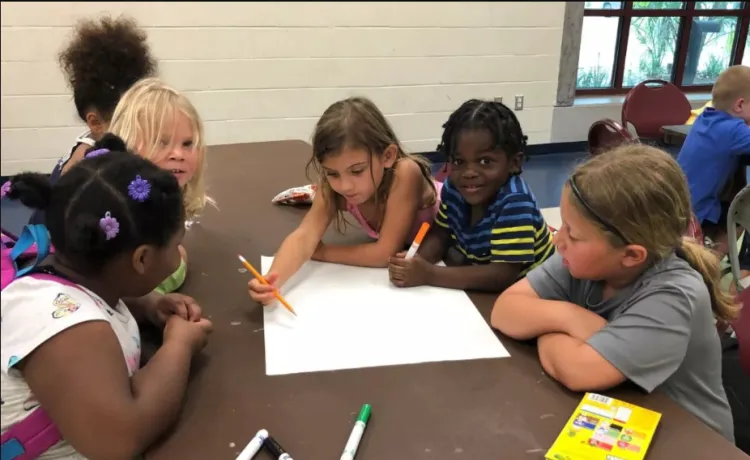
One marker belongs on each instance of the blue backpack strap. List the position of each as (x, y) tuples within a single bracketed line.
[(32, 234)]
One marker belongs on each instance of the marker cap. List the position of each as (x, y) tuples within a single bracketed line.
[(422, 232), (364, 414)]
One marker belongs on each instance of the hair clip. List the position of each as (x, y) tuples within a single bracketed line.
[(96, 153), (5, 189), (109, 225), (139, 189)]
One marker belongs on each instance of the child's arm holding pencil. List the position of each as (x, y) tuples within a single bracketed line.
[(296, 249)]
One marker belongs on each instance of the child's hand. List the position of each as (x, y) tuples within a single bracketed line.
[(409, 272), (174, 304), (263, 293), (194, 334)]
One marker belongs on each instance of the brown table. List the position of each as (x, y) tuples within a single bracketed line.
[(484, 409), (675, 134)]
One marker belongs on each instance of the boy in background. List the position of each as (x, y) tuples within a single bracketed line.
[(717, 144)]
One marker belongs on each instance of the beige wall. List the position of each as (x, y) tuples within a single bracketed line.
[(266, 71)]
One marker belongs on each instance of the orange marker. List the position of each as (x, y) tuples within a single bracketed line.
[(417, 240), (263, 280)]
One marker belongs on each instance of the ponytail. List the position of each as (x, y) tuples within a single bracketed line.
[(706, 263), (34, 190)]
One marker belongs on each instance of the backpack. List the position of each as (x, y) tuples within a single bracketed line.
[(34, 435), (33, 244)]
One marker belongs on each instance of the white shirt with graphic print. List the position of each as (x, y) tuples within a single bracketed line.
[(35, 310)]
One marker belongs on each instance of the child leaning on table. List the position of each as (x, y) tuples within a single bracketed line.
[(487, 211), (162, 125), (363, 171), (104, 58), (710, 156), (70, 344), (626, 297)]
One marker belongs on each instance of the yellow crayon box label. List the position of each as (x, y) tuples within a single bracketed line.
[(604, 428)]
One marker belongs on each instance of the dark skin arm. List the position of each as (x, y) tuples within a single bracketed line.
[(492, 277), (140, 306), (435, 244), (77, 156), (421, 269), (155, 308), (97, 407)]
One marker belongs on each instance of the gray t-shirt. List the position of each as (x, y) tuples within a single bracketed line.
[(661, 333)]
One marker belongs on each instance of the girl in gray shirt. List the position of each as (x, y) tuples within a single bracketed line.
[(626, 297)]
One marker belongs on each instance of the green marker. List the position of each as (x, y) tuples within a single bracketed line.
[(359, 428)]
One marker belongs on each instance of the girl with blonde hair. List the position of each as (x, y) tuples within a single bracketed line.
[(162, 125), (626, 297)]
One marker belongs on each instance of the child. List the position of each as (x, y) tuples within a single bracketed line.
[(100, 63), (626, 297), (70, 345), (362, 170), (711, 153), (488, 212), (161, 124)]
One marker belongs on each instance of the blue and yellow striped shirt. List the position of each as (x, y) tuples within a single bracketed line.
[(511, 231)]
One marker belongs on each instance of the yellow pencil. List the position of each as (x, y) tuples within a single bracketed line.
[(263, 280)]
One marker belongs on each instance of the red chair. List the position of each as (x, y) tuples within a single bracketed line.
[(606, 134), (653, 104)]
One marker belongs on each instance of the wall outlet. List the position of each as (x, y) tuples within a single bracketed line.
[(499, 99), (519, 102)]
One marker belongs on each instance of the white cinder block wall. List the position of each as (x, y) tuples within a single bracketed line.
[(266, 71)]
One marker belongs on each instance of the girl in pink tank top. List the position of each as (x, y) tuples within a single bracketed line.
[(362, 170), (426, 214)]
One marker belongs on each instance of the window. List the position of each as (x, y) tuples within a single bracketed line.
[(685, 43)]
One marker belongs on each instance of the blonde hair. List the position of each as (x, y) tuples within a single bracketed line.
[(139, 120), (357, 123), (732, 84), (640, 193)]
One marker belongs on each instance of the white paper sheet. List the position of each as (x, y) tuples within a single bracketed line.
[(352, 317)]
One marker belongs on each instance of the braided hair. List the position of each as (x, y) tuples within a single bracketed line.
[(109, 203), (495, 117)]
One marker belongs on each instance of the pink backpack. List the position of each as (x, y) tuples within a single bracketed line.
[(34, 435)]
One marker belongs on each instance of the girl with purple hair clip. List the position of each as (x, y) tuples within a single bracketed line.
[(116, 221)]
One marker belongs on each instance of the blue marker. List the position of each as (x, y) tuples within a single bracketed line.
[(253, 446)]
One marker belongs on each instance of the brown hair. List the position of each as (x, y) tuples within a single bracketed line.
[(732, 84), (640, 193), (103, 59), (356, 123)]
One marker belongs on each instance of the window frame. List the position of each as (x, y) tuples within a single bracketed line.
[(686, 15)]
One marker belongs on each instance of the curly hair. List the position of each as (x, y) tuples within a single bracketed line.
[(104, 58)]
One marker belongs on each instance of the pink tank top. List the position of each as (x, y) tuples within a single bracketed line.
[(423, 215)]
